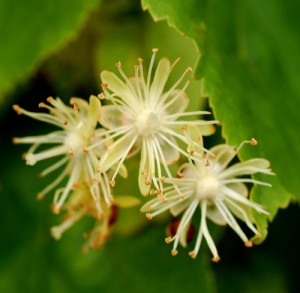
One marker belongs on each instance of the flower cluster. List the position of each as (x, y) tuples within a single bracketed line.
[(218, 190), (145, 117), (78, 131)]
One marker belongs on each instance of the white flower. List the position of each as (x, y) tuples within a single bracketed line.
[(218, 190), (143, 117), (77, 131)]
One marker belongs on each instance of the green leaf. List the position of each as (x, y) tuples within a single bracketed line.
[(250, 61), (31, 30)]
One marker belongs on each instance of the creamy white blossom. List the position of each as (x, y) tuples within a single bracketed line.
[(144, 117), (218, 189), (77, 130)]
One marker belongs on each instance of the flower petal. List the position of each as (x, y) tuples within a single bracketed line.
[(195, 140), (147, 206), (207, 129), (93, 112), (177, 102), (115, 152), (247, 168), (179, 207), (111, 117), (136, 148), (214, 215), (160, 78), (81, 103), (126, 201), (224, 154), (114, 83), (144, 188), (122, 170), (184, 234), (240, 188), (170, 153)]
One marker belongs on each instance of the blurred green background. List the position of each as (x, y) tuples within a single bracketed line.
[(58, 48)]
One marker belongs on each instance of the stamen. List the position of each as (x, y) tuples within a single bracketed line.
[(162, 103), (57, 231), (104, 183), (137, 83), (124, 155), (51, 119), (253, 142), (248, 243), (174, 252), (164, 163), (40, 196), (59, 200), (228, 217), (207, 163), (206, 233), (157, 160), (185, 220), (104, 85), (101, 96), (165, 206), (234, 195), (177, 147), (245, 217), (216, 259), (42, 105), (119, 65), (154, 51), (50, 100), (192, 113), (18, 109), (168, 239), (109, 137), (16, 140)]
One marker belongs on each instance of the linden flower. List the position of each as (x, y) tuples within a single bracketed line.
[(143, 117), (71, 142), (79, 204), (218, 190)]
